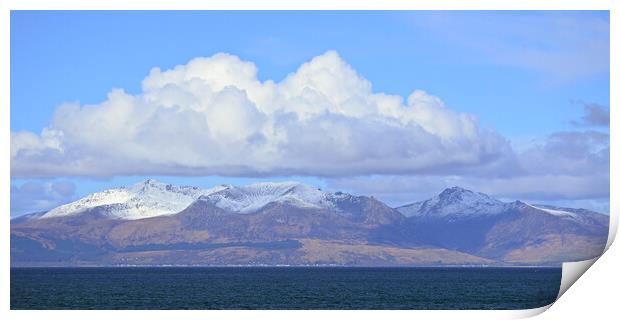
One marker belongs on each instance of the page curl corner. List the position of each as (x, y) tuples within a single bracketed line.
[(571, 271)]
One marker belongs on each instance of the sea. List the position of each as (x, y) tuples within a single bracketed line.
[(283, 288)]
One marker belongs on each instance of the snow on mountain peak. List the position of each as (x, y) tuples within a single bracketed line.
[(152, 198), (142, 200), (454, 201), (250, 198), (454, 190)]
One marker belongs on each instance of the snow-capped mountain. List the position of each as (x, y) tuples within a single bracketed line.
[(143, 200), (152, 198), (250, 198), (454, 202), (457, 203), (294, 198)]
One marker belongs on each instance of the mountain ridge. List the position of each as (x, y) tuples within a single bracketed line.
[(289, 222), (287, 191)]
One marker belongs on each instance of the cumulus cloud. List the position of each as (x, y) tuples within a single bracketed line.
[(213, 116), (34, 196)]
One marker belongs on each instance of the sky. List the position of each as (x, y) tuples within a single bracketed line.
[(398, 105)]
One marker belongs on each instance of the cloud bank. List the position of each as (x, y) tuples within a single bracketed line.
[(569, 165), (213, 116)]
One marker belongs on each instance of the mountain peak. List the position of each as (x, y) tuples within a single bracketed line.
[(454, 201), (150, 182), (146, 184), (455, 191), (461, 195)]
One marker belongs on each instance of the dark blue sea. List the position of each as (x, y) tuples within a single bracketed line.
[(283, 288)]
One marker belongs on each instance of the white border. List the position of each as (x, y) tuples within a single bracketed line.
[(599, 292)]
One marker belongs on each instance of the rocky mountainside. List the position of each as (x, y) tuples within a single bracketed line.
[(289, 223)]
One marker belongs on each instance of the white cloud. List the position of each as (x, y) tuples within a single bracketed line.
[(213, 116)]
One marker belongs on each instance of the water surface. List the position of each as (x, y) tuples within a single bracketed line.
[(283, 288)]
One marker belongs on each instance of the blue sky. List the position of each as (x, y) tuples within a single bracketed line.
[(526, 75)]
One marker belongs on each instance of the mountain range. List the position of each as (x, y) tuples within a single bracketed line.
[(289, 223)]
